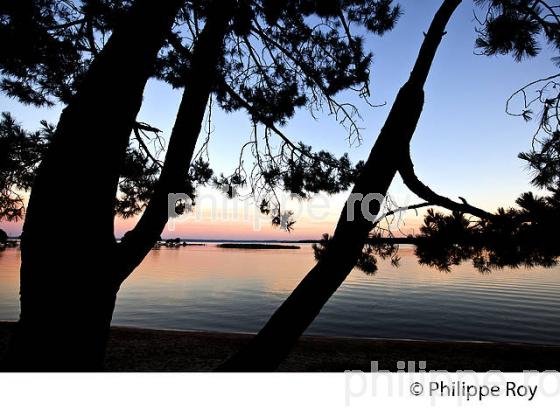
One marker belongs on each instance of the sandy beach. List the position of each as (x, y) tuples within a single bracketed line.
[(132, 349)]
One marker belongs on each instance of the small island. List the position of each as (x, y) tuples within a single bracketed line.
[(256, 246)]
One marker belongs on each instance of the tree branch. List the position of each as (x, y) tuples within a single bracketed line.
[(404, 209), (413, 183), (136, 128)]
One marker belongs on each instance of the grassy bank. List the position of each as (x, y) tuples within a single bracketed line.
[(133, 349)]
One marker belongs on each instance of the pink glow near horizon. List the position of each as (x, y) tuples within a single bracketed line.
[(220, 219), (222, 230)]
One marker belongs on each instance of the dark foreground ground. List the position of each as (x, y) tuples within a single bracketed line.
[(133, 349)]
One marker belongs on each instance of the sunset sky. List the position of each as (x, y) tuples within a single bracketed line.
[(465, 144)]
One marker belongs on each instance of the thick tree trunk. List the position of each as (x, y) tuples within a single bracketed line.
[(274, 342), (199, 84), (68, 247)]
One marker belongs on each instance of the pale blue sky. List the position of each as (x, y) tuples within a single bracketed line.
[(465, 144)]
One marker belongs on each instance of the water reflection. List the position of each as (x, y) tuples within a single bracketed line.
[(509, 240), (234, 290)]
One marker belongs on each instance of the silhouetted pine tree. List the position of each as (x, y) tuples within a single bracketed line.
[(341, 252), (525, 236), (268, 58), (67, 304), (514, 238), (20, 154), (517, 27)]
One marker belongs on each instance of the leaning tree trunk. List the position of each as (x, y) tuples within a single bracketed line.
[(200, 81), (68, 245), (274, 342)]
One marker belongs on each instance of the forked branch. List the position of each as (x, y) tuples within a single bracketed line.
[(413, 183)]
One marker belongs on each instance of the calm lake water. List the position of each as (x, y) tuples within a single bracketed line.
[(233, 290)]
